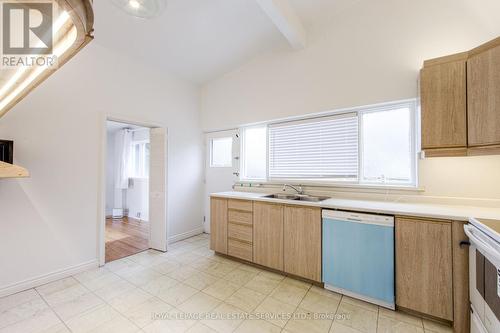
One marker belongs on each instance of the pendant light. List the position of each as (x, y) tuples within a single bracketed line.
[(142, 8)]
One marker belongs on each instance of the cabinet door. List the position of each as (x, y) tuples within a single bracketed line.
[(218, 225), (424, 267), (443, 99), (268, 235), (303, 242), (461, 303), (483, 76)]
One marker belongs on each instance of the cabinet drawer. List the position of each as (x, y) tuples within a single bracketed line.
[(240, 250), (240, 232), (237, 216), (243, 205)]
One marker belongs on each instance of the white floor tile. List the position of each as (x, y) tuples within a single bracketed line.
[(42, 321), (18, 299)]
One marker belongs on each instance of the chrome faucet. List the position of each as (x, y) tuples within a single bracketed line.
[(299, 190)]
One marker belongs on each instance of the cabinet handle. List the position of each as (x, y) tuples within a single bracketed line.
[(464, 243)]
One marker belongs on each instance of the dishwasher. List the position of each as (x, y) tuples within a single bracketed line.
[(358, 256)]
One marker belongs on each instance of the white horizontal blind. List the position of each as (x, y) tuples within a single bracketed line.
[(325, 148)]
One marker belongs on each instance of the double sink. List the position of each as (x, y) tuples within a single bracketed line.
[(296, 197)]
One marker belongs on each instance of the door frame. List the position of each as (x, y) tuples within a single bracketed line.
[(101, 195)]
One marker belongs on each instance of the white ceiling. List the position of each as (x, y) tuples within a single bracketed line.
[(201, 40), (198, 40)]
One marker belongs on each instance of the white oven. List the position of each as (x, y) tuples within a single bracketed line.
[(484, 275)]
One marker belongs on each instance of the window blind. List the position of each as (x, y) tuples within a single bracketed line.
[(325, 147)]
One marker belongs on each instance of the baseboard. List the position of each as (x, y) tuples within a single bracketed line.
[(47, 278), (185, 235)]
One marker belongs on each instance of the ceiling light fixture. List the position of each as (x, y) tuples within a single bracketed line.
[(142, 8), (134, 4)]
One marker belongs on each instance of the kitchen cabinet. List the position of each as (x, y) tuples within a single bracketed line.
[(240, 229), (218, 225), (444, 105), (483, 93), (461, 316), (424, 266), (431, 267), (302, 244), (268, 234), (280, 237), (460, 103)]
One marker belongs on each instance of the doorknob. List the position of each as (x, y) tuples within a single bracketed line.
[(237, 174)]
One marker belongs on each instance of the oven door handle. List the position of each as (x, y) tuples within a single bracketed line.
[(480, 244)]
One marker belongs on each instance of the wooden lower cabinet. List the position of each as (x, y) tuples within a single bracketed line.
[(302, 245), (218, 225), (461, 308), (424, 266), (239, 249), (268, 235)]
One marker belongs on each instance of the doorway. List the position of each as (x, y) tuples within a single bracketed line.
[(127, 227), (222, 165)]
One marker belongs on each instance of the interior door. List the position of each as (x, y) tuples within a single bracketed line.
[(158, 190), (222, 165)]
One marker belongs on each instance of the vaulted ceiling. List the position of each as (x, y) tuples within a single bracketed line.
[(200, 40)]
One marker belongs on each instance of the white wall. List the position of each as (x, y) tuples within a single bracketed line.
[(367, 54), (138, 199), (49, 221)]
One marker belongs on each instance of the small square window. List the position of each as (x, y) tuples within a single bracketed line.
[(221, 155)]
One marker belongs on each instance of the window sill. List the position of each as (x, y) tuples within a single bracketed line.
[(331, 185)]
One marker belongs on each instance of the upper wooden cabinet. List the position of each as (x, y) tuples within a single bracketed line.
[(444, 105), (460, 103), (483, 93), (302, 246)]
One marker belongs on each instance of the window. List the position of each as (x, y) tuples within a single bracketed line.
[(371, 145), (221, 153), (324, 147), (254, 144), (387, 146), (139, 159)]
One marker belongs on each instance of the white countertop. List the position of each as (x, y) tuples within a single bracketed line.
[(447, 212)]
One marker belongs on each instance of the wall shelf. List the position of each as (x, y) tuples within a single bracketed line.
[(12, 171)]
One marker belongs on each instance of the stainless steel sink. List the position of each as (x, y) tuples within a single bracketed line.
[(297, 197), (283, 196), (312, 198)]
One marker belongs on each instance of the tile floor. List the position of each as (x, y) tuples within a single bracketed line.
[(189, 289)]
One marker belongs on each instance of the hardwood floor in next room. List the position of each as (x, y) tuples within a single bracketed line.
[(125, 237)]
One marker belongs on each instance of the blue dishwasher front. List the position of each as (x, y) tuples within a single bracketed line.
[(358, 256)]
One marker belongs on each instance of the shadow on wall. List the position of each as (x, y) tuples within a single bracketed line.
[(17, 206)]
